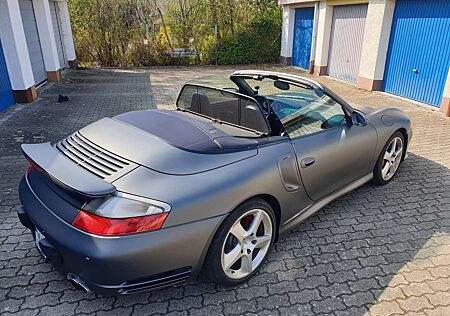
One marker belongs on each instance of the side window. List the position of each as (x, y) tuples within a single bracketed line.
[(322, 113)]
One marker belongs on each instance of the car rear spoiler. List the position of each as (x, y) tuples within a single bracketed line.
[(65, 173)]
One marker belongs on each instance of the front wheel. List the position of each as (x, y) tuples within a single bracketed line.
[(242, 243), (390, 158)]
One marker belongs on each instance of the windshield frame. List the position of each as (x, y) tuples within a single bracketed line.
[(239, 76)]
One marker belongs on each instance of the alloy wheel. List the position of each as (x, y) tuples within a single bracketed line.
[(392, 158), (247, 244)]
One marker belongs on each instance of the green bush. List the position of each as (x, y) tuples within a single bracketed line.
[(133, 33), (257, 43)]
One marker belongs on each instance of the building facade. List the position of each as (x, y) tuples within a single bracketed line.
[(398, 46), (36, 43)]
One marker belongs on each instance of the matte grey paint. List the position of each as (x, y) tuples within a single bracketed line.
[(344, 155), (66, 172), (203, 188), (109, 261)]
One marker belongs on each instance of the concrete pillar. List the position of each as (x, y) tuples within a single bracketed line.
[(287, 35), (314, 38), (323, 38), (47, 39), (445, 104), (69, 47), (16, 52), (375, 44)]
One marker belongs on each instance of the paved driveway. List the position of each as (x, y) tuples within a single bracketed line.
[(378, 250)]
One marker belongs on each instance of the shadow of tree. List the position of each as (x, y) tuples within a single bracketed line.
[(378, 248)]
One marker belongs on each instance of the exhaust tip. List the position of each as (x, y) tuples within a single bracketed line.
[(77, 283)]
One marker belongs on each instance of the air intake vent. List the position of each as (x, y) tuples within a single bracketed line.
[(90, 156)]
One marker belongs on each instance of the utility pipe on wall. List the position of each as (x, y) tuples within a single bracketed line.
[(314, 37)]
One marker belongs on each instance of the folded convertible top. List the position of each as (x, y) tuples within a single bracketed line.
[(189, 133), (65, 173)]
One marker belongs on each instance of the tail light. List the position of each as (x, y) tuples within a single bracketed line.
[(121, 214), (32, 166), (104, 226)]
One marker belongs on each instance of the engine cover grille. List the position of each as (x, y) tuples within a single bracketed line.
[(91, 157)]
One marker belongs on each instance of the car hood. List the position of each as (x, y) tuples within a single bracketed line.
[(168, 142)]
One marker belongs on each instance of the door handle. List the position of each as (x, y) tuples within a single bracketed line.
[(308, 161)]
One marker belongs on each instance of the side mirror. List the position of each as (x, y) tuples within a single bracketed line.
[(358, 118)]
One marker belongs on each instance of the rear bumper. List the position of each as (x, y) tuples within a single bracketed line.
[(118, 264)]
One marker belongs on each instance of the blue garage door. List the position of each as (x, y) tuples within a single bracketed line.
[(6, 94), (419, 50), (303, 29)]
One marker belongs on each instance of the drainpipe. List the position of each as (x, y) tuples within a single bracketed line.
[(314, 37)]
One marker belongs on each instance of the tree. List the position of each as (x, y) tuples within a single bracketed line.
[(121, 33)]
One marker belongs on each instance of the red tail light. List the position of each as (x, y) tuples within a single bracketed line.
[(104, 226), (32, 166)]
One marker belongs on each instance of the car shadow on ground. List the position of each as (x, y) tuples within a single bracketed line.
[(377, 248)]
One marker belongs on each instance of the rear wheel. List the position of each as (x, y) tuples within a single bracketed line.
[(242, 243), (390, 158)]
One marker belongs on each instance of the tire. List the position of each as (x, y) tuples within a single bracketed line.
[(225, 244), (380, 177)]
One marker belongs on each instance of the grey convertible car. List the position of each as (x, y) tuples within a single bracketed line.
[(151, 198)]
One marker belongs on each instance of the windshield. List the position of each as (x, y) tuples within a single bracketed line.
[(286, 97)]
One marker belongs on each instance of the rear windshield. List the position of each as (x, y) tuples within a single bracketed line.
[(223, 105)]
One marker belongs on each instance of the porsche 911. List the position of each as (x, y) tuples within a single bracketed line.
[(148, 199)]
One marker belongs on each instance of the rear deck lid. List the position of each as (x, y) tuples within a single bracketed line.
[(65, 173), (143, 147)]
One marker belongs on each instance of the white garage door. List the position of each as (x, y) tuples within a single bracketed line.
[(347, 32), (32, 38), (56, 21)]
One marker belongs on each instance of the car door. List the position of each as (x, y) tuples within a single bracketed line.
[(331, 152)]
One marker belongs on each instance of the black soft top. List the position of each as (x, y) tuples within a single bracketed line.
[(189, 132)]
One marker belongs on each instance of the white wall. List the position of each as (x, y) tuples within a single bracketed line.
[(46, 34), (69, 47), (287, 35), (323, 34), (376, 39), (447, 86), (15, 46)]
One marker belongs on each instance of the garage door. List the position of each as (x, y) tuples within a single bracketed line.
[(303, 29), (419, 50), (347, 32), (6, 94), (32, 38), (58, 33)]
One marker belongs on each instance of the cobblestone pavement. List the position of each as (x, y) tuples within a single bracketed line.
[(378, 250)]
